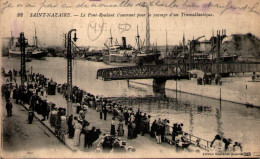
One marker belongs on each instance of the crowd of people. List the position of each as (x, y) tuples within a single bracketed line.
[(77, 127), (222, 144), (135, 122)]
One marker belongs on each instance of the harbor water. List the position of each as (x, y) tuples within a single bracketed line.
[(235, 121)]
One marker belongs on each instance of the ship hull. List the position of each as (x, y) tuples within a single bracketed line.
[(118, 60), (28, 54)]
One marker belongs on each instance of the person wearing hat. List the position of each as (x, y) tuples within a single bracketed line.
[(174, 131), (147, 122), (126, 116), (104, 109), (99, 108), (227, 143), (7, 94), (237, 147), (44, 109), (120, 128), (167, 127), (71, 129), (30, 115), (9, 107), (113, 128), (77, 127), (63, 128), (217, 144)]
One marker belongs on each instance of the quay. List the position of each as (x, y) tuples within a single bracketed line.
[(143, 144), (233, 89)]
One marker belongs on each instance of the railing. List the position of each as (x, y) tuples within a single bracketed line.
[(197, 141)]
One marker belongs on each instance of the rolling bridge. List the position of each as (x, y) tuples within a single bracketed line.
[(161, 73)]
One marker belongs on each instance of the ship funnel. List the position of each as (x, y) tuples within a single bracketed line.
[(124, 42)]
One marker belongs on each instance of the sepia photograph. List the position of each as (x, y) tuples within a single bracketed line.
[(130, 78)]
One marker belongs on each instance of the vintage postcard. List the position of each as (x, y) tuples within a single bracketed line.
[(130, 78)]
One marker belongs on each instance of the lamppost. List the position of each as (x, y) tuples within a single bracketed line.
[(69, 70), (23, 43)]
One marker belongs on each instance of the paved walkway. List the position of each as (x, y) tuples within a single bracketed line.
[(23, 140)]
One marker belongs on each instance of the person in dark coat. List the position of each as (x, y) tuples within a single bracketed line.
[(88, 137), (126, 116), (44, 109), (153, 127), (15, 93), (130, 134), (174, 131), (78, 108), (107, 144), (138, 121), (142, 125), (30, 115), (134, 129), (100, 109), (71, 126), (9, 107), (104, 110), (227, 142), (93, 136), (58, 121), (7, 94), (10, 75)]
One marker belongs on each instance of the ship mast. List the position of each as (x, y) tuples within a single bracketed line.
[(147, 27), (138, 39), (166, 43), (183, 43), (111, 38), (35, 38), (12, 39)]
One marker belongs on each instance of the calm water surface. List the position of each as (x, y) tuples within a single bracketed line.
[(236, 121)]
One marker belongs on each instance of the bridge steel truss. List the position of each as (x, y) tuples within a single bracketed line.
[(173, 71)]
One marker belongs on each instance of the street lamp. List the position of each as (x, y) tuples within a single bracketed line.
[(23, 42), (69, 70)]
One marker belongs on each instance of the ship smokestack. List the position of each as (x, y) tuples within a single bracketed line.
[(124, 42)]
